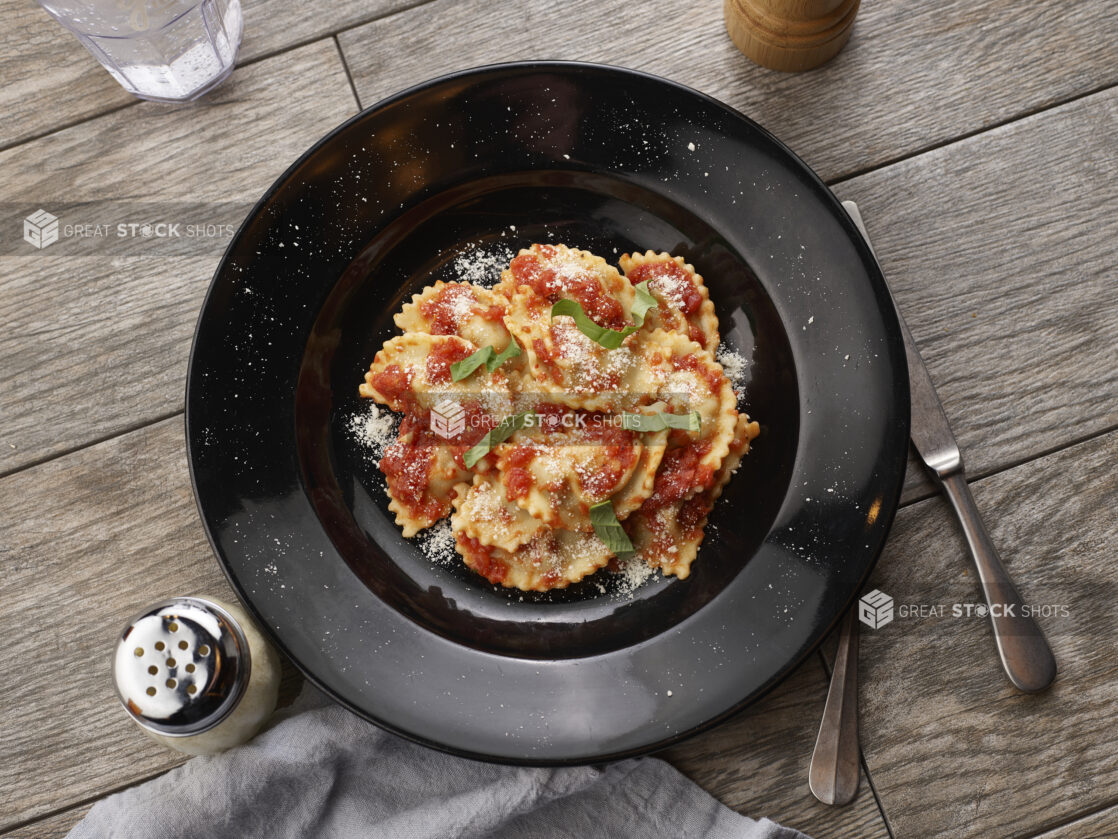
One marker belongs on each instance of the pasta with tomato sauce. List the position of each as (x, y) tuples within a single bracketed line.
[(570, 416)]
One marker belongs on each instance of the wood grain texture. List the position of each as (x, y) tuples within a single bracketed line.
[(757, 762), (953, 749), (1100, 825), (273, 25), (913, 75), (49, 80), (97, 343), (1002, 260), (59, 824), (89, 539), (51, 827)]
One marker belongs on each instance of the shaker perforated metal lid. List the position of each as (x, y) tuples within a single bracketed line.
[(181, 666)]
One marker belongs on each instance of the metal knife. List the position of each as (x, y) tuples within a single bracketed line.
[(1023, 649)]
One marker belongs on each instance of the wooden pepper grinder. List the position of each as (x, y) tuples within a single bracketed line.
[(790, 35)]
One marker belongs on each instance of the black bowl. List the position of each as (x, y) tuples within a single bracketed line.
[(494, 159)]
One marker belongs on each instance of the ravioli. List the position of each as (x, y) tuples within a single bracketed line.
[(569, 368), (552, 559), (483, 513), (413, 372), (684, 303), (556, 272), (468, 311), (557, 473), (667, 533), (525, 428), (679, 373), (420, 473)]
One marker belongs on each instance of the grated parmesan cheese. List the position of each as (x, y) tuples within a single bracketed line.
[(374, 428), (671, 288), (632, 572), (482, 266), (734, 365), (437, 543), (462, 304)]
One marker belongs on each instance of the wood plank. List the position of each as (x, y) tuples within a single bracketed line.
[(89, 539), (274, 25), (52, 827), (913, 75), (1100, 825), (48, 80), (757, 762), (85, 359), (953, 749), (59, 824), (1002, 261)]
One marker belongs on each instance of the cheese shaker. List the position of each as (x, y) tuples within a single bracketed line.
[(195, 674)]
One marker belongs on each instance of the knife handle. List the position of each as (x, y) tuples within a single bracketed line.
[(1024, 651)]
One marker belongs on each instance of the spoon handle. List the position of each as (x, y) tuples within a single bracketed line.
[(835, 767)]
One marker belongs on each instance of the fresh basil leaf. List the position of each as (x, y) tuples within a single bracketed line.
[(463, 369), (609, 529), (494, 436), (611, 339), (645, 301), (692, 421), (460, 370), (511, 351)]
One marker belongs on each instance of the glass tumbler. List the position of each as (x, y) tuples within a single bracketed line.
[(163, 50)]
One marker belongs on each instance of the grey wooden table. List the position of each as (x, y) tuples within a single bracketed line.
[(980, 138)]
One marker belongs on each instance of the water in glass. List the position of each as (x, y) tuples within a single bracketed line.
[(165, 50)]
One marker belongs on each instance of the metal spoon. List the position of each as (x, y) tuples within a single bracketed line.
[(835, 768)]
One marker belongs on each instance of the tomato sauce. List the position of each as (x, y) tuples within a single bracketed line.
[(480, 557), (495, 313), (517, 479), (407, 468), (416, 426), (394, 384), (478, 423), (444, 311), (693, 511), (518, 483), (674, 279), (581, 285), (442, 356), (545, 358), (693, 364), (681, 472)]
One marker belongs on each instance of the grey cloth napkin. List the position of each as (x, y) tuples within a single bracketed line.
[(323, 772)]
